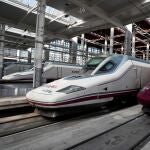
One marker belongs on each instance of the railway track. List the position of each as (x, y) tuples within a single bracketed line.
[(20, 123), (126, 136), (12, 123), (142, 144), (10, 106), (13, 102), (116, 136), (132, 135), (75, 133)]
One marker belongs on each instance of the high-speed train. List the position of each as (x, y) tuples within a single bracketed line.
[(51, 71), (111, 77), (144, 98)]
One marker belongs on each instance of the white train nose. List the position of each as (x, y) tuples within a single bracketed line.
[(7, 77), (38, 96)]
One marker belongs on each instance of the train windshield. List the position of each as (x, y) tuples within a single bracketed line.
[(109, 65), (93, 63)]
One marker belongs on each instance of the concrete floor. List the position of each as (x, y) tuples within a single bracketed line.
[(73, 133)]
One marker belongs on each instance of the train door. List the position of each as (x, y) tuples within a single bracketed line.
[(131, 80)]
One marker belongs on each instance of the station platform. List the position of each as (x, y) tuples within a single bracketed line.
[(120, 130), (14, 89), (13, 102)]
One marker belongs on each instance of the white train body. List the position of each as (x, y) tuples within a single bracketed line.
[(51, 71), (115, 76)]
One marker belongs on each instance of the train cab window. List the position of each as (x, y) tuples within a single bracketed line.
[(93, 63), (109, 66)]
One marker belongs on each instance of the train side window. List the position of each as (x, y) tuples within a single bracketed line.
[(107, 67)]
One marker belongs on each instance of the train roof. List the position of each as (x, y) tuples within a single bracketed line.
[(113, 62), (138, 59), (62, 63), (127, 56)]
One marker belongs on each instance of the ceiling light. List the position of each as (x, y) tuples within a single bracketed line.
[(146, 1)]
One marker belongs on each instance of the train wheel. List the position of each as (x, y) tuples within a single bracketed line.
[(118, 100), (131, 99), (126, 99)]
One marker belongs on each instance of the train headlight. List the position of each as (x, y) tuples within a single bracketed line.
[(71, 89)]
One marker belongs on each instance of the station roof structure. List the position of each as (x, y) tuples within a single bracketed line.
[(142, 32), (68, 18)]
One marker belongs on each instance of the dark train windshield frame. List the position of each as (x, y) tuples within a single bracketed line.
[(93, 63)]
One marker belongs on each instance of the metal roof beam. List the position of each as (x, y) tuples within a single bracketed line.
[(99, 12), (94, 2)]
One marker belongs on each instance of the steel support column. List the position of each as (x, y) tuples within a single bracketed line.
[(63, 47), (147, 51), (29, 56), (82, 47), (127, 41), (2, 38), (122, 50), (86, 51), (111, 41), (133, 42), (105, 46), (46, 55), (18, 55), (143, 55), (73, 50), (37, 78)]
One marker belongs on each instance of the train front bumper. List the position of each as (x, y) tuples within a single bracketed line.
[(44, 99)]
